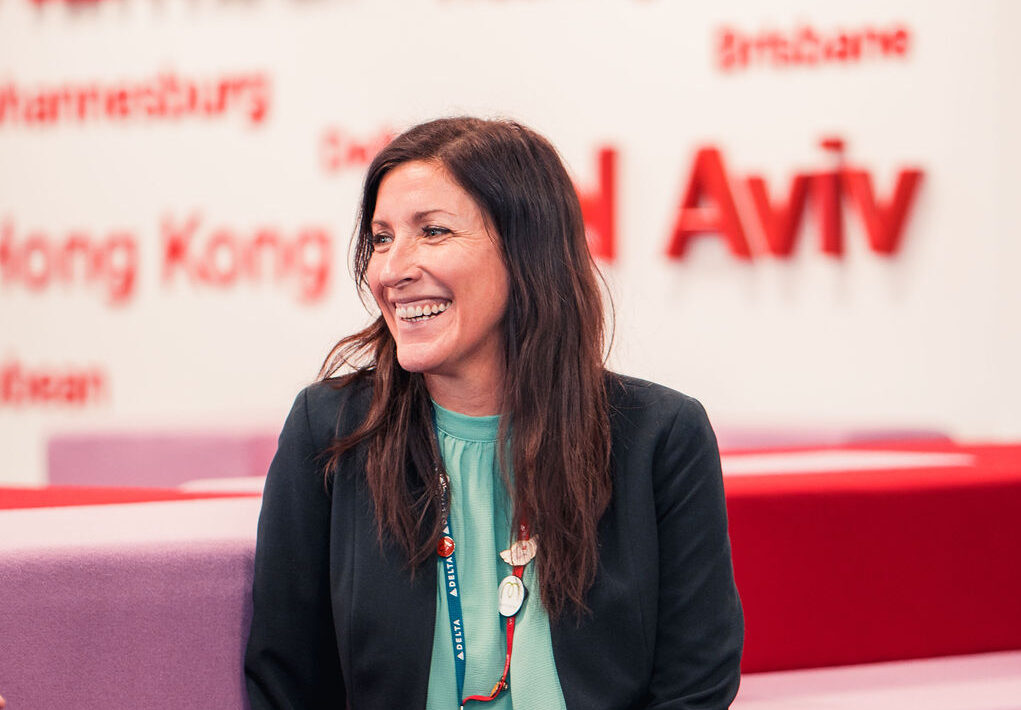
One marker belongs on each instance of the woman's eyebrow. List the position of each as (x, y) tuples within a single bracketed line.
[(421, 216)]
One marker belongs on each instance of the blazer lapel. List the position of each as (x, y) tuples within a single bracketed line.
[(393, 614)]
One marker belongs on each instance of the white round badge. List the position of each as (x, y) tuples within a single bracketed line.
[(511, 594)]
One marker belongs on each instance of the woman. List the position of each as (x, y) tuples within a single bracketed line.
[(480, 512)]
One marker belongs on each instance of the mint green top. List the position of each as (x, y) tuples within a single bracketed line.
[(481, 528)]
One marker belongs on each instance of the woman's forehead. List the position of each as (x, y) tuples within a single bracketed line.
[(416, 190)]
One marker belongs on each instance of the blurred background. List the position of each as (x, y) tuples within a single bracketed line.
[(806, 211)]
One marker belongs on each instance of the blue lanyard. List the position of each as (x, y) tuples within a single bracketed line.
[(445, 549), (454, 612), (450, 577)]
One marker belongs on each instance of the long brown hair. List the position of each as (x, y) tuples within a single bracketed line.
[(554, 394)]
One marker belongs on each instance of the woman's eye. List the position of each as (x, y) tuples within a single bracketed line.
[(435, 231), (381, 240)]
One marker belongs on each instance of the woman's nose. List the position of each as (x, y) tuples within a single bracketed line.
[(400, 263)]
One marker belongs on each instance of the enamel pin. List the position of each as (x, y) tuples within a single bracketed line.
[(445, 547), (520, 553)]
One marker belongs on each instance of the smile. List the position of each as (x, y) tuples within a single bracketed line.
[(421, 313)]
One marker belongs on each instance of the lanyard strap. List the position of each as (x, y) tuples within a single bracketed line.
[(501, 684), (454, 612), (446, 551)]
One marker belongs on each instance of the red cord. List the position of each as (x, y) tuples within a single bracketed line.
[(502, 683)]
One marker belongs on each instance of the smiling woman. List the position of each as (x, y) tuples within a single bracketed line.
[(468, 508), (437, 274)]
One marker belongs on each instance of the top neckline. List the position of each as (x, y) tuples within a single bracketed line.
[(465, 426)]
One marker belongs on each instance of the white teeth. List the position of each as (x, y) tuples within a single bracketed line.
[(420, 312)]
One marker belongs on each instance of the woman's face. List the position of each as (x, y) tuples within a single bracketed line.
[(437, 274)]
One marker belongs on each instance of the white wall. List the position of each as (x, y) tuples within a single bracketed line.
[(925, 337)]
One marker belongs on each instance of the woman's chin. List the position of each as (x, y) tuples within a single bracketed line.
[(413, 360)]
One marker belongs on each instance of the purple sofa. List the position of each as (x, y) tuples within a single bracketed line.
[(126, 607)]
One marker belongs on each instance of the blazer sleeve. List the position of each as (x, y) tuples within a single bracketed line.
[(291, 660), (700, 626)]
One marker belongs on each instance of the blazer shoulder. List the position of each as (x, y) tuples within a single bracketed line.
[(335, 406), (630, 394), (649, 417)]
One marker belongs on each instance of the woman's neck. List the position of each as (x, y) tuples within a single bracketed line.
[(475, 397)]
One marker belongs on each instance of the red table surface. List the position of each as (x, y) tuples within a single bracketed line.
[(60, 496), (862, 566)]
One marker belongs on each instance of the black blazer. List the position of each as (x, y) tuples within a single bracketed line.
[(339, 619)]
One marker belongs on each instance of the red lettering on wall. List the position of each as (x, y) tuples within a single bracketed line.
[(884, 223), (222, 257), (808, 46), (22, 386), (599, 207), (779, 220), (708, 207), (339, 149), (69, 2), (826, 196), (40, 261), (167, 96)]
